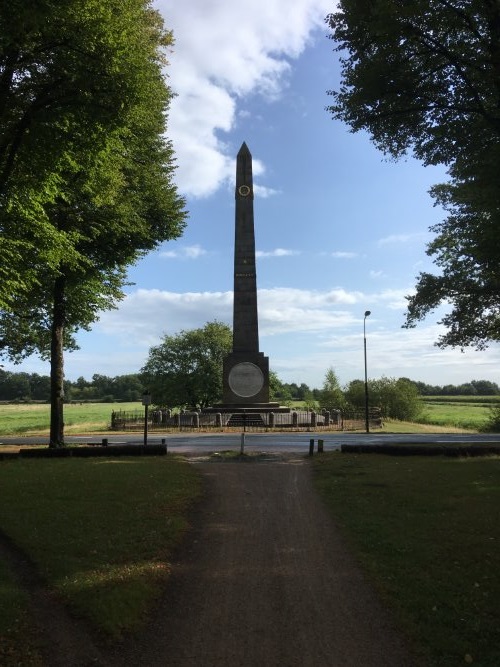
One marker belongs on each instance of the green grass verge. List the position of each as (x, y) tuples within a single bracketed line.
[(100, 530), (427, 531), (396, 426)]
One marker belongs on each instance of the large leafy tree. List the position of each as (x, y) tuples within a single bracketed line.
[(105, 196), (185, 370), (424, 76)]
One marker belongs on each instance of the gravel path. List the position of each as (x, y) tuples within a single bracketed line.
[(267, 582)]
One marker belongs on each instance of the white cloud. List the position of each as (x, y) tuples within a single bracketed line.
[(344, 255), (303, 332), (187, 252), (211, 74), (147, 314), (278, 252), (394, 239)]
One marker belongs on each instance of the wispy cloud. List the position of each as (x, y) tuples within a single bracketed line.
[(377, 274), (396, 239), (344, 255), (278, 252), (187, 252)]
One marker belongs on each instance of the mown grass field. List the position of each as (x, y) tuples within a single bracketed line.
[(34, 419), (101, 532), (469, 412), (427, 531)]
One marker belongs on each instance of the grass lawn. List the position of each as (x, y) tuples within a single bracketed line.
[(100, 530), (427, 531)]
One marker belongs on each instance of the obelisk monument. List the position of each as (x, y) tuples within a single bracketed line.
[(246, 369)]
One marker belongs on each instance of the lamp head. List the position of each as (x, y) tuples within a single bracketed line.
[(368, 312)]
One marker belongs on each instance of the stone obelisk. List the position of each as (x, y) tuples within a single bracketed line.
[(246, 369)]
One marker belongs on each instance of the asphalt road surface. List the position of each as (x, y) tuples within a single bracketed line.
[(267, 442)]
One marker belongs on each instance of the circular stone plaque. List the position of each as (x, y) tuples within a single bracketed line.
[(246, 379)]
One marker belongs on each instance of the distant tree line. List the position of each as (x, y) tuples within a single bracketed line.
[(25, 387), (34, 387), (473, 388)]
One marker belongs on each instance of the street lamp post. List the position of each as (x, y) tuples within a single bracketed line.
[(367, 420)]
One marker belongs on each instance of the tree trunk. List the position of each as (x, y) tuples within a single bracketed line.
[(57, 366)]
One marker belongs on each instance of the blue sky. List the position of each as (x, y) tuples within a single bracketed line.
[(339, 229)]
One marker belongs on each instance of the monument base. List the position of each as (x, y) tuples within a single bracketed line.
[(248, 408), (238, 415)]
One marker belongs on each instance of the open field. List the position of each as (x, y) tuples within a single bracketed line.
[(460, 411), (101, 532), (34, 419), (480, 400), (427, 532)]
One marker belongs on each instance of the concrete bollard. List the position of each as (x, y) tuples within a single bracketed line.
[(320, 446), (164, 442), (311, 447)]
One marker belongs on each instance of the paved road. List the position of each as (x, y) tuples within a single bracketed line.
[(271, 442)]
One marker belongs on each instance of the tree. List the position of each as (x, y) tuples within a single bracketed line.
[(397, 398), (185, 370), (354, 394), (111, 198), (331, 396), (278, 390), (425, 76)]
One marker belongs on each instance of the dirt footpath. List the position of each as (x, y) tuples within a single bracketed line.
[(267, 582)]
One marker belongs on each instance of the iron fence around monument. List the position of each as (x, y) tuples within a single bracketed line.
[(164, 421)]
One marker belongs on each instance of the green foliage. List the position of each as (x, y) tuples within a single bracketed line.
[(396, 398), (354, 394), (492, 424), (278, 391), (466, 251), (185, 370), (85, 169), (472, 388), (35, 387), (424, 76), (331, 396)]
